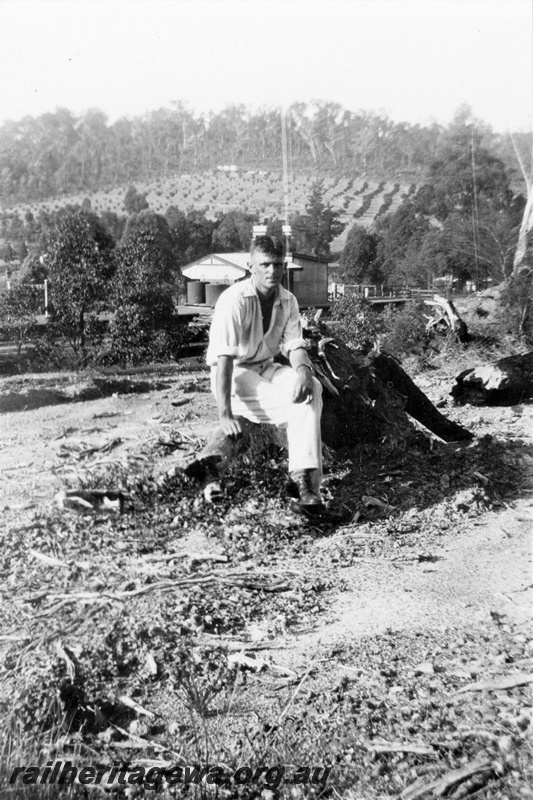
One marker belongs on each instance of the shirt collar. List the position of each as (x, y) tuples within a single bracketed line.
[(250, 291)]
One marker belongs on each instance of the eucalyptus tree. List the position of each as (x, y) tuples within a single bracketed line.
[(357, 262)]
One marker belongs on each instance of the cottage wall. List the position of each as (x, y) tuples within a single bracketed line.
[(310, 284)]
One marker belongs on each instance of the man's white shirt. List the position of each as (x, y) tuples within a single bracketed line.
[(237, 326)]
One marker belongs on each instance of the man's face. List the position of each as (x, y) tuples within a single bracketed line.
[(267, 271)]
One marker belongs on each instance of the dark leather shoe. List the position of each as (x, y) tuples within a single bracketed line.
[(302, 480)]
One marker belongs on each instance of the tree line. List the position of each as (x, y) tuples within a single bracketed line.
[(60, 153), (183, 236), (462, 221), (115, 279)]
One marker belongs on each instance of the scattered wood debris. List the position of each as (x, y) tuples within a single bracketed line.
[(102, 501), (481, 767), (244, 581), (506, 682), (399, 747)]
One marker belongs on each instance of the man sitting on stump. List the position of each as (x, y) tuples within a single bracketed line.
[(255, 320)]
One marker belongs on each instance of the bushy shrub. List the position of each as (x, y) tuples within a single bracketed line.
[(80, 258), (139, 334), (18, 310), (404, 329), (357, 323), (48, 352), (401, 332)]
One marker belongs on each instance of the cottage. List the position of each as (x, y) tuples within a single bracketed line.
[(307, 278)]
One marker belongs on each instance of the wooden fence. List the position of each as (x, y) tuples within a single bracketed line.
[(380, 291)]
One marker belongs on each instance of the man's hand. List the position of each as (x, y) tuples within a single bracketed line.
[(303, 388), (230, 426)]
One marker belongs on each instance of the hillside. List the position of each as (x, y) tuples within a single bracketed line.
[(254, 192)]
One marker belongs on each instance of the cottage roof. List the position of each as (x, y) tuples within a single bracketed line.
[(229, 267), (218, 267)]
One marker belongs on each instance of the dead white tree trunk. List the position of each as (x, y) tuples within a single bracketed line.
[(526, 226), (526, 230), (447, 316)]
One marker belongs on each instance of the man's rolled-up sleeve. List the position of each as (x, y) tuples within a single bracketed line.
[(292, 338), (224, 332)]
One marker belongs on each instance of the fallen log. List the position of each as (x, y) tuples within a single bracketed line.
[(504, 382), (366, 399)]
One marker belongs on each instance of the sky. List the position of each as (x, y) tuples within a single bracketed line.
[(416, 61)]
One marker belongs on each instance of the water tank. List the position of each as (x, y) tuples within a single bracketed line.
[(196, 292), (213, 292)]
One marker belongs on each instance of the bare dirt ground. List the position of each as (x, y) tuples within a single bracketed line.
[(478, 565), (442, 561)]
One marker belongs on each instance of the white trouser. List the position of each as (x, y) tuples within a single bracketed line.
[(263, 393)]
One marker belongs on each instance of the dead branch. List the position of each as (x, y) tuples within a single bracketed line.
[(218, 557), (440, 786), (507, 682), (399, 747), (240, 581), (209, 640)]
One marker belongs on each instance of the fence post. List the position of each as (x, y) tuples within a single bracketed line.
[(46, 297)]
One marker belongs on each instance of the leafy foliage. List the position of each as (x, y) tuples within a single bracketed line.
[(18, 309), (134, 201), (233, 234), (60, 152), (463, 221), (357, 324), (145, 332), (199, 235), (145, 326), (315, 230), (357, 263), (463, 174), (401, 332), (400, 236), (80, 260), (146, 251), (404, 331)]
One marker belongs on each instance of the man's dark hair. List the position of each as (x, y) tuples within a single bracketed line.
[(269, 245)]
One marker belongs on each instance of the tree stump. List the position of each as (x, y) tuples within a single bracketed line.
[(447, 318), (366, 399)]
